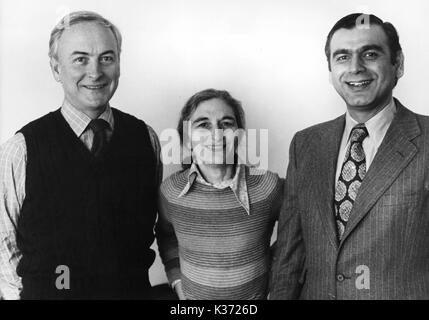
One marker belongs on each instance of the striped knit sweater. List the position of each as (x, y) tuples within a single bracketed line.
[(207, 239)]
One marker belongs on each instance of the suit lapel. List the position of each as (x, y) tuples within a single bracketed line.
[(329, 145), (394, 154)]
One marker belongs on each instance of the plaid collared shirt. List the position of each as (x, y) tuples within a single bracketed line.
[(13, 161)]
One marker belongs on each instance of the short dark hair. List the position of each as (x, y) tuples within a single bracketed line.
[(350, 22), (193, 102)]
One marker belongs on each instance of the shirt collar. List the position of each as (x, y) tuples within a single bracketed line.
[(237, 184), (377, 125), (79, 121)]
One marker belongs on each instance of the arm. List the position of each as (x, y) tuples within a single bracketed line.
[(157, 151), (278, 200), (277, 204), (289, 250), (168, 246), (175, 281), (13, 158)]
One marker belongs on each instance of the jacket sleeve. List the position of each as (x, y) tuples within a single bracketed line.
[(289, 255)]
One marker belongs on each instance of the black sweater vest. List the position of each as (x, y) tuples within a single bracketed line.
[(93, 215)]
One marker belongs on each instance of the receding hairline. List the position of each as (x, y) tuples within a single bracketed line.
[(69, 30), (77, 18), (73, 27)]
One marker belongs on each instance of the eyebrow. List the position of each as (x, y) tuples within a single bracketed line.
[(200, 119), (363, 49), (372, 47), (87, 54), (340, 51)]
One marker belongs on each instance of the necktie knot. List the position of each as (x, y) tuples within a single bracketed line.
[(359, 133), (98, 125)]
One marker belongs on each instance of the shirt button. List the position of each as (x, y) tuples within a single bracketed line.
[(340, 277)]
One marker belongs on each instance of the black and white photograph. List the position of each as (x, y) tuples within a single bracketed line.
[(214, 150)]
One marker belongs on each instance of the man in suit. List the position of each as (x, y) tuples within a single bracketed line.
[(355, 217), (78, 186)]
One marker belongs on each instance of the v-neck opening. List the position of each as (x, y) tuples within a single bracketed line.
[(83, 150)]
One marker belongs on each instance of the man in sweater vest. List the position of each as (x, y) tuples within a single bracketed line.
[(78, 186)]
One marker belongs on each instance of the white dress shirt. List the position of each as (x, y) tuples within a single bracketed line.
[(377, 127)]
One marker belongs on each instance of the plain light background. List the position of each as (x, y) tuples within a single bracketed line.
[(269, 54)]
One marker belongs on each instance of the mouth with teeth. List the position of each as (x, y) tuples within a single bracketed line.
[(95, 87), (359, 84), (216, 147)]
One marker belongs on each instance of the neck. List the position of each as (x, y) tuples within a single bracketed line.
[(92, 113), (216, 173), (363, 114)]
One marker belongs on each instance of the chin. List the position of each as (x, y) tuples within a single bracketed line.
[(359, 102), (97, 104)]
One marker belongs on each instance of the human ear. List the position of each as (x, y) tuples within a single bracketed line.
[(55, 68), (399, 65), (187, 135)]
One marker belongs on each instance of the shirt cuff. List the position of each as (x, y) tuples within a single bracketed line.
[(9, 293), (175, 282)]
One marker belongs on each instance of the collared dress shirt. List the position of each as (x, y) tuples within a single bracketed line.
[(377, 127), (13, 161), (237, 184)]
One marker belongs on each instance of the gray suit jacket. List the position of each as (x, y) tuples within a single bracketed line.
[(384, 252)]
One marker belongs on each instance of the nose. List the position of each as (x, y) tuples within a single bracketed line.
[(217, 133), (94, 70), (356, 65)]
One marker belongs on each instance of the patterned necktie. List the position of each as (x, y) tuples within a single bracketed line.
[(352, 173), (98, 126)]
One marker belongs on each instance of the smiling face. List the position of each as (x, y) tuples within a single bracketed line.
[(212, 132), (361, 69), (87, 65)]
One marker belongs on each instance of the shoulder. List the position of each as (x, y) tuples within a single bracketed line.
[(174, 184), (262, 173), (152, 132), (154, 140), (310, 138), (134, 123), (263, 180), (41, 123), (423, 123), (13, 150), (423, 120), (318, 129), (118, 114), (137, 128), (408, 116)]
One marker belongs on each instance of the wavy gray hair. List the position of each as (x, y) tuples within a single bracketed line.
[(79, 17)]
